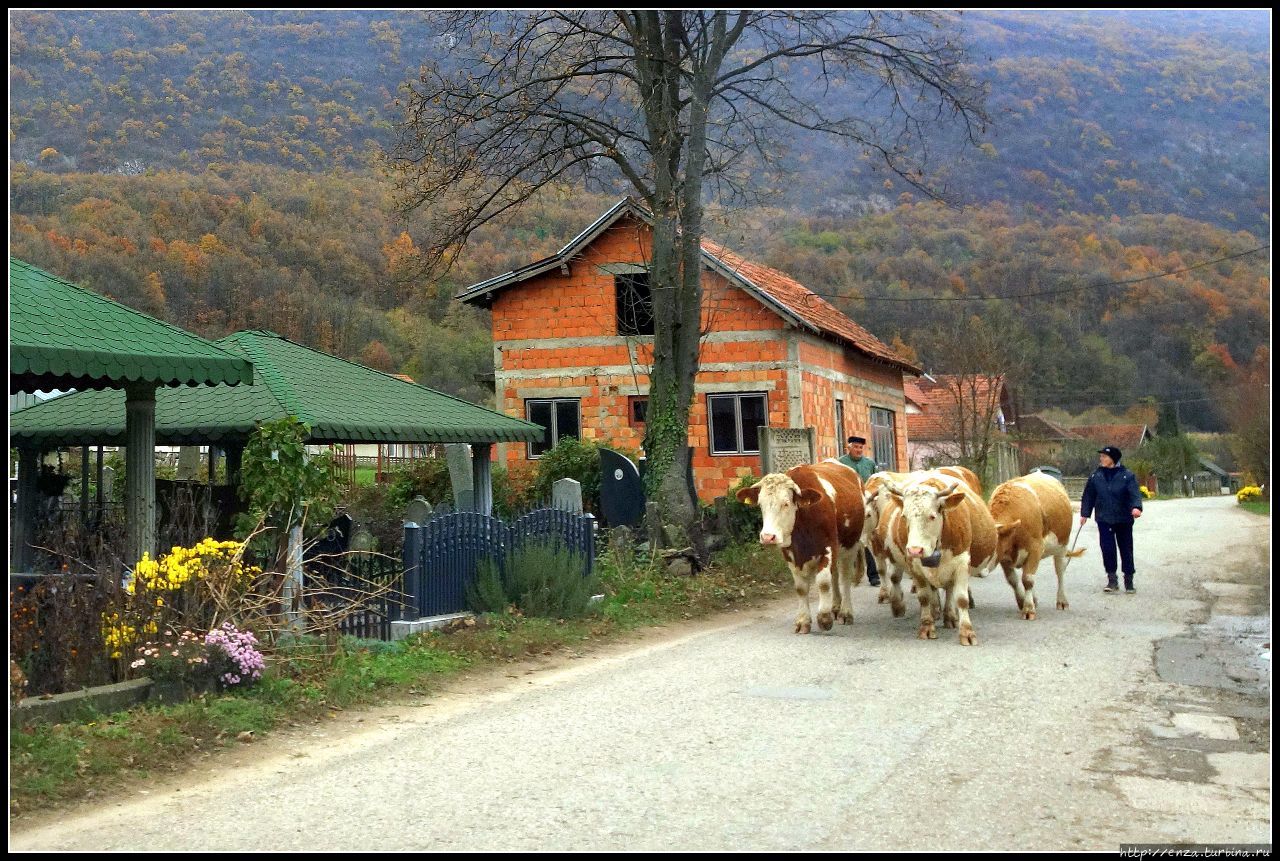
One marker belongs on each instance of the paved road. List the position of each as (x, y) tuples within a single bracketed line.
[(1125, 719)]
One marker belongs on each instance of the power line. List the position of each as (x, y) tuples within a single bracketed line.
[(988, 298)]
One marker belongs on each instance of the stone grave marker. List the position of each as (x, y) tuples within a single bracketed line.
[(621, 491), (188, 462), (566, 495), (362, 541), (458, 456), (417, 511)]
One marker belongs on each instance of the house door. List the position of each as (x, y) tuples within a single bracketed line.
[(884, 444)]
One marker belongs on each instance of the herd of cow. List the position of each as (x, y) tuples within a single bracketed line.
[(933, 525)]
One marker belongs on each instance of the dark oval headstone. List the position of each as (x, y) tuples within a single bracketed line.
[(621, 493)]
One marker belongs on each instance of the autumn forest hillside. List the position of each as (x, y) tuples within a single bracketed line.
[(220, 170)]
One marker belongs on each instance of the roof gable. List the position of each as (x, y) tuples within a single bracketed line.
[(776, 290)]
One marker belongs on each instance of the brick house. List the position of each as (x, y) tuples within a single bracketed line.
[(573, 340)]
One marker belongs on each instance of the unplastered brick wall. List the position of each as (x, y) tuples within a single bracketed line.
[(555, 336)]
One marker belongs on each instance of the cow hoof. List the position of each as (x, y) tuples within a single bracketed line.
[(928, 632), (968, 637), (882, 598), (1063, 605), (899, 609), (802, 627), (825, 621), (846, 618), (1029, 615)]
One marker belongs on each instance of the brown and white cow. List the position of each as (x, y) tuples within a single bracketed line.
[(948, 517), (886, 533), (1033, 519), (814, 515)]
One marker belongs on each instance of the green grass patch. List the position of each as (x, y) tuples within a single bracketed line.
[(96, 752), (1260, 506)]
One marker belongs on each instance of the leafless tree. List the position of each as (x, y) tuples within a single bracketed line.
[(682, 103), (978, 358)]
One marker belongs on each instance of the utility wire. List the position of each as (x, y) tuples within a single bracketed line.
[(987, 298)]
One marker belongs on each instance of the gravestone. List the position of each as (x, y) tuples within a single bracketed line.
[(188, 462), (108, 479), (458, 456), (417, 511), (621, 490), (362, 541), (566, 495)]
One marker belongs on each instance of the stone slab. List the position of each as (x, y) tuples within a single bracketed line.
[(1246, 770), (1184, 798), (1206, 726), (400, 630)]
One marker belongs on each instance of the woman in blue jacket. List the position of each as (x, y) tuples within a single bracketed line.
[(1112, 495)]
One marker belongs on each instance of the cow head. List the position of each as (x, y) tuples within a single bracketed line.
[(779, 499), (925, 508), (1006, 537)]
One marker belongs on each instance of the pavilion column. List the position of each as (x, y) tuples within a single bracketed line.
[(234, 453), (84, 486), (140, 471), (24, 524), (482, 477)]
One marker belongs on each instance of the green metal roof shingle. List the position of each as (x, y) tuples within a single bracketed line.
[(340, 400), (64, 336)]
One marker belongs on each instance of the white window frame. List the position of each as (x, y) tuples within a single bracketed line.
[(737, 418), (554, 430)]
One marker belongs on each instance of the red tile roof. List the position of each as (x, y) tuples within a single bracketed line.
[(1127, 438), (1035, 427), (936, 398), (806, 304)]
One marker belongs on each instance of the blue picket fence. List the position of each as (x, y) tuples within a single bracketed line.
[(443, 555)]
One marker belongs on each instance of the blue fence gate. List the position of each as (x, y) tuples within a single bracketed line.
[(443, 555)]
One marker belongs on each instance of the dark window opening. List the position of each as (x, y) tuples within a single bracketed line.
[(637, 409), (560, 418), (736, 421), (634, 304)]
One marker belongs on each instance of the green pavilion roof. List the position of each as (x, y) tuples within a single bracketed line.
[(342, 402), (62, 336)]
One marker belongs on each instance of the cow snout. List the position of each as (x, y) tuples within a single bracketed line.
[(915, 552), (768, 538)]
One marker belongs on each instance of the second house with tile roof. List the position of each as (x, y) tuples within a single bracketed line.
[(573, 337)]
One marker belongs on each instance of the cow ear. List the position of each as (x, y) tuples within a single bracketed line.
[(893, 488), (1006, 528), (955, 498), (808, 497), (749, 495)]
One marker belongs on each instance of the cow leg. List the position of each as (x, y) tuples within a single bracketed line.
[(1011, 574), (803, 618), (960, 588), (826, 618), (949, 615), (924, 592), (1060, 568), (897, 603), (1029, 584), (850, 566)]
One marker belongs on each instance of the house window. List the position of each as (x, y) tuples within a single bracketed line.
[(560, 418), (884, 447), (736, 421), (637, 409), (634, 303), (840, 437)]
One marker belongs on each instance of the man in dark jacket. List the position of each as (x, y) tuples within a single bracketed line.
[(1112, 495), (864, 466)]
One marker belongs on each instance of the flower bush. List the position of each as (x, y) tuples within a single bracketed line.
[(234, 654), (1252, 493), (1145, 491), (176, 656), (188, 587)]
